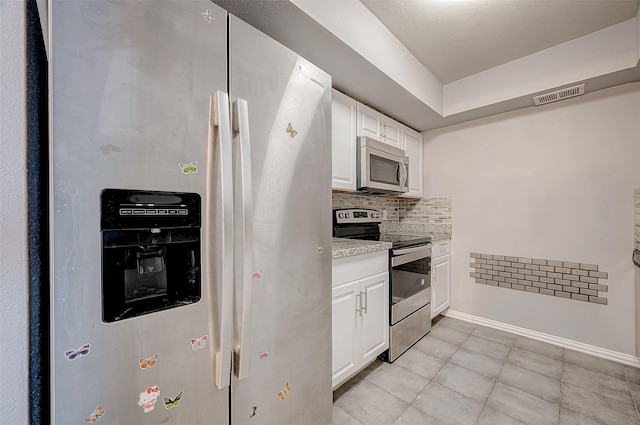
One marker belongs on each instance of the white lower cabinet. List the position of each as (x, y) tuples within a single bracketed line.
[(374, 314), (440, 277), (360, 313)]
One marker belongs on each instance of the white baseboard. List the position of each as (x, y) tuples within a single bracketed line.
[(540, 336)]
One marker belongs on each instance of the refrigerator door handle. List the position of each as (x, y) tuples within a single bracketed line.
[(220, 142), (244, 247)]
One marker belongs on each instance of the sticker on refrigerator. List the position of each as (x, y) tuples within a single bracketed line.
[(208, 16), (257, 274), (95, 416), (169, 403), (253, 411), (264, 354), (189, 168), (287, 389), (291, 131), (148, 398), (150, 362), (82, 351), (197, 343)]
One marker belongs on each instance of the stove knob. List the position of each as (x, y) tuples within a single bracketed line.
[(347, 215), (340, 215)]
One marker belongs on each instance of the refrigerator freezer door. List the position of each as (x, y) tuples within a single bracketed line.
[(130, 90), (289, 106)]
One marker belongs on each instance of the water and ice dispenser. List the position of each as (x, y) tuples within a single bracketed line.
[(150, 251)]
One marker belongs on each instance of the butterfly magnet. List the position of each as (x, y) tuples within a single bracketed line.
[(148, 363), (256, 274), (148, 398), (254, 409), (82, 351), (264, 354), (283, 394), (208, 16), (169, 403), (291, 131), (198, 343), (189, 168), (95, 416)]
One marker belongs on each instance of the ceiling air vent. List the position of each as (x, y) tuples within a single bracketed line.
[(559, 95)]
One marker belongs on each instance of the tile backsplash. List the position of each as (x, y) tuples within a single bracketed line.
[(577, 281), (427, 215)]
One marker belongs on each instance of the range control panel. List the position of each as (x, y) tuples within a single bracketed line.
[(356, 215)]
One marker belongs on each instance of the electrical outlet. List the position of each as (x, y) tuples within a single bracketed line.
[(384, 215)]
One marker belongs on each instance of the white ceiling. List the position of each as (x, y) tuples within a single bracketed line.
[(458, 38), (344, 38)]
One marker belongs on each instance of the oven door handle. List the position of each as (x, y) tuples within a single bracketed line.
[(401, 251), (398, 260)]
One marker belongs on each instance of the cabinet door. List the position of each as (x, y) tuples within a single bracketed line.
[(440, 284), (414, 150), (343, 140), (344, 339), (369, 122), (374, 329), (392, 132)]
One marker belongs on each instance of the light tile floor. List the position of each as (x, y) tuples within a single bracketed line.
[(461, 373)]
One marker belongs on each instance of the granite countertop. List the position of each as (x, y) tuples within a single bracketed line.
[(341, 248), (439, 236)]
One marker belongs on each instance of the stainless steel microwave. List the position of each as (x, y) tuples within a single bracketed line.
[(381, 169)]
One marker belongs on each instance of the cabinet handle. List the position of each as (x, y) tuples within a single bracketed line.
[(366, 300), (359, 303)]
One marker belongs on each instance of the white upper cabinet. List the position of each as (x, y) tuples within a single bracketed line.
[(392, 132), (412, 141), (372, 123), (352, 119), (369, 122), (343, 139)]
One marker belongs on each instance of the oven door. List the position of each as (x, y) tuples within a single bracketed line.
[(382, 169), (410, 281)]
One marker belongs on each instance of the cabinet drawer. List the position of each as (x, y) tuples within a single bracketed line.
[(441, 248), (359, 266)]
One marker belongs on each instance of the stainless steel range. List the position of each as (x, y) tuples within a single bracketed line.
[(410, 279)]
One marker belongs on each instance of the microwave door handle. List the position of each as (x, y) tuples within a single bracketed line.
[(406, 174), (219, 161), (244, 232)]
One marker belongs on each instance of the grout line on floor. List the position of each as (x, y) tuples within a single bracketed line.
[(633, 400)]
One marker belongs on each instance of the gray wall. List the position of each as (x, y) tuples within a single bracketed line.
[(14, 350)]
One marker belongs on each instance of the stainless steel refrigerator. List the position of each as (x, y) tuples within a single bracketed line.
[(190, 219)]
